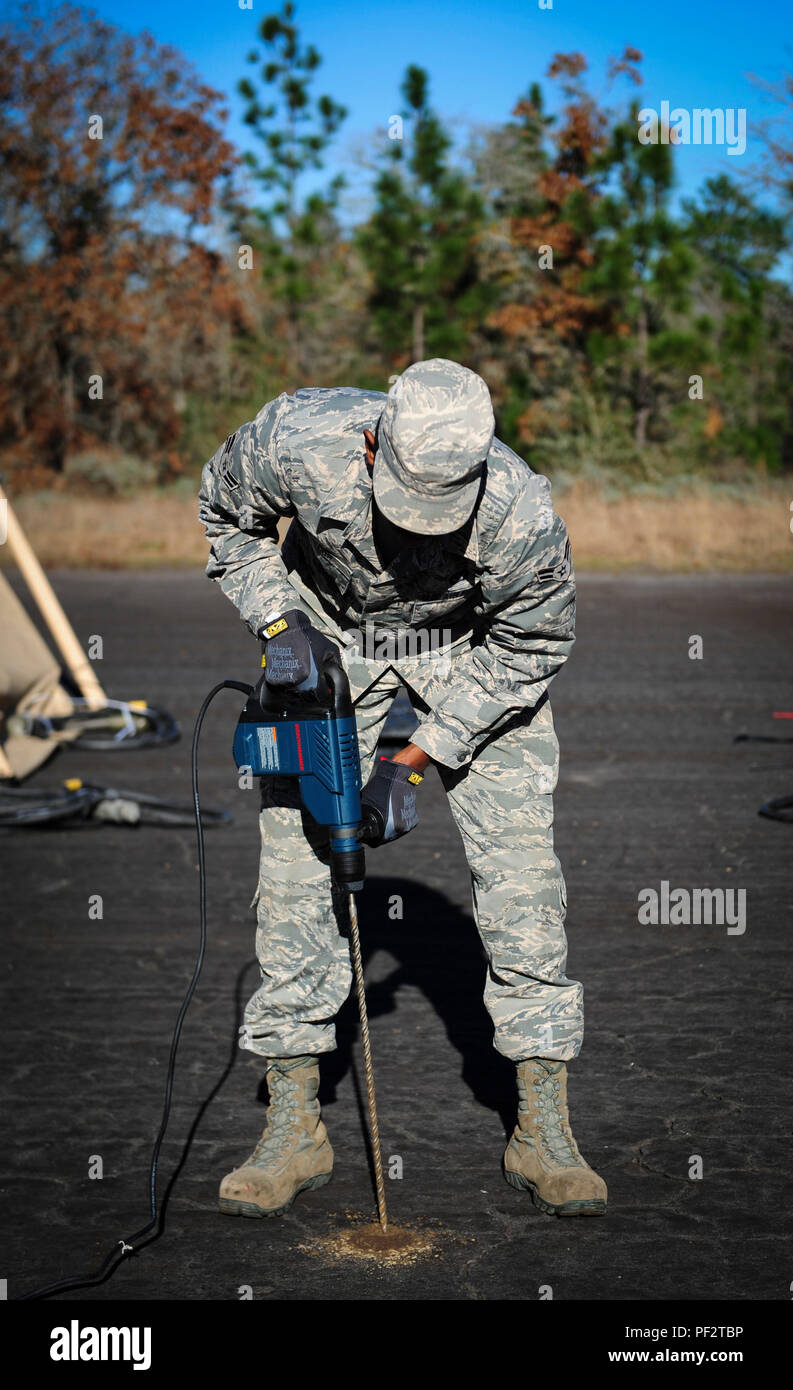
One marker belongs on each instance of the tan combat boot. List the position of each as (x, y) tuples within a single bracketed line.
[(542, 1156), (294, 1152)]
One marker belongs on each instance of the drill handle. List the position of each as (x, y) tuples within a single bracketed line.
[(336, 677)]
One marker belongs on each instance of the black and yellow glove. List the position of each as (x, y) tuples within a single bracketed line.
[(295, 652), (388, 802)]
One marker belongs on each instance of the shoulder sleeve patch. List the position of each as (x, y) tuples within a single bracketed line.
[(559, 572), (224, 467)]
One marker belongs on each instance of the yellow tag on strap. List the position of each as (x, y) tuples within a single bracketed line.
[(281, 625), (415, 778)]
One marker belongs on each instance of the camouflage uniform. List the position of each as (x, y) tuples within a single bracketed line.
[(499, 593)]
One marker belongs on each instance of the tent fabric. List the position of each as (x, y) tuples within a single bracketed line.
[(29, 684)]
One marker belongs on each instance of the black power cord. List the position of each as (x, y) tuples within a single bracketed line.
[(129, 1245), (87, 805)]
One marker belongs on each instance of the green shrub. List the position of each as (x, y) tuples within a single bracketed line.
[(109, 472)]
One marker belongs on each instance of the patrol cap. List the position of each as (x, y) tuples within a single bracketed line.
[(433, 438)]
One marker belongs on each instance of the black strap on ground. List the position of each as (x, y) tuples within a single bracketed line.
[(143, 728), (761, 738), (781, 807)]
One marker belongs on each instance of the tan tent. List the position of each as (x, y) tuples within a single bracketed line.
[(31, 686)]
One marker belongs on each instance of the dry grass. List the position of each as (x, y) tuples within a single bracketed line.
[(154, 530), (695, 529)]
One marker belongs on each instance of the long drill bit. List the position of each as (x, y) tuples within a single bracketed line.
[(374, 1128)]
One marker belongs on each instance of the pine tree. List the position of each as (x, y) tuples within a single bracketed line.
[(742, 309), (420, 244), (643, 272), (295, 127)]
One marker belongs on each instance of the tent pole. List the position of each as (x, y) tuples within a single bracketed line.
[(52, 612)]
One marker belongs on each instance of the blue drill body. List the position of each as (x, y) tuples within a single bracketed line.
[(283, 734)]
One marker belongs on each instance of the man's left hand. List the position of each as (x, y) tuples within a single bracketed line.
[(414, 756), (388, 802)]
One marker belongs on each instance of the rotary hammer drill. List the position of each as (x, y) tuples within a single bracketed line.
[(299, 722)]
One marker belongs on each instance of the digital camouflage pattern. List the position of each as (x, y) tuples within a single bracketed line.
[(505, 579), (434, 435), (502, 592), (502, 803)]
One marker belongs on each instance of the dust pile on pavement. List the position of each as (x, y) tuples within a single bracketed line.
[(398, 1245)]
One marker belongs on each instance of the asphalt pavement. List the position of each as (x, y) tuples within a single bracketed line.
[(681, 1094)]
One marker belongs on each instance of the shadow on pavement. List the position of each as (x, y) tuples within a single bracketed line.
[(443, 958)]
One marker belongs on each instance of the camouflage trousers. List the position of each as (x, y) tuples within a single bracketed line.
[(502, 803)]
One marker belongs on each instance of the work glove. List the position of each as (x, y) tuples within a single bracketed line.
[(388, 802), (295, 652)]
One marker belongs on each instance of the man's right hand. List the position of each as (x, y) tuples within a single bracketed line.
[(295, 652)]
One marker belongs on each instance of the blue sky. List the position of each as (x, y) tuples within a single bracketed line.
[(482, 56)]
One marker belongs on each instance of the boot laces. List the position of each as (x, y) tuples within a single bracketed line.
[(283, 1117), (555, 1132)]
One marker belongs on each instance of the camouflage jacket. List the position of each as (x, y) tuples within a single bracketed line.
[(506, 579)]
